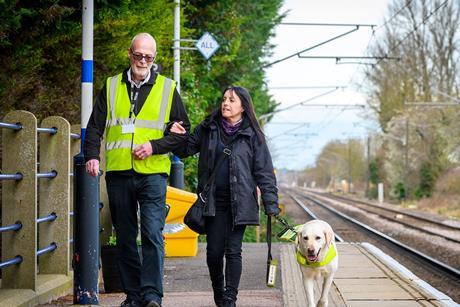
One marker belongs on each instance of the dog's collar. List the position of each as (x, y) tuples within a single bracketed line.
[(331, 253)]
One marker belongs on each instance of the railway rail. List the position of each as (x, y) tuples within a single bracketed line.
[(408, 219), (441, 275)]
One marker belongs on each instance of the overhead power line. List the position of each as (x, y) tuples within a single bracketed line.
[(288, 123), (334, 105), (394, 15), (287, 131), (339, 58), (326, 24), (300, 103), (355, 63), (304, 87), (312, 47), (424, 20), (347, 57), (432, 104)]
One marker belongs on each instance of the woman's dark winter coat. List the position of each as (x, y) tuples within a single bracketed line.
[(250, 166)]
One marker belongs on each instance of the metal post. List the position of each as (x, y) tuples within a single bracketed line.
[(86, 67), (86, 187), (177, 167), (86, 235), (368, 172), (177, 43), (177, 173), (380, 192), (350, 190)]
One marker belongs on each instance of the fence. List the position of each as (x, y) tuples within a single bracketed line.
[(37, 194), (37, 202)]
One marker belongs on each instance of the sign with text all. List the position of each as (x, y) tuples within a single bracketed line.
[(207, 45)]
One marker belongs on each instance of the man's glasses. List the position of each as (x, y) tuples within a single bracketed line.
[(139, 56)]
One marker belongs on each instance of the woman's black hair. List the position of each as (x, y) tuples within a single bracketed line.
[(248, 106)]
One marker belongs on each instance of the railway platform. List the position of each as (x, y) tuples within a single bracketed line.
[(366, 277)]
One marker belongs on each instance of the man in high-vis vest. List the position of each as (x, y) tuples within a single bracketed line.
[(134, 108)]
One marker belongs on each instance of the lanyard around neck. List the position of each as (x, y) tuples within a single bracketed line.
[(133, 98)]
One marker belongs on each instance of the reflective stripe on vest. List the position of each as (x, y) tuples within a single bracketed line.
[(148, 124)]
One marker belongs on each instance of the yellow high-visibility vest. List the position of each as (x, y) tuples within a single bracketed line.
[(148, 124)]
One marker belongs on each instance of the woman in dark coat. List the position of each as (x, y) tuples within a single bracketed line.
[(232, 201)]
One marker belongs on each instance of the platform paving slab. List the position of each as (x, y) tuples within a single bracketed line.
[(187, 283), (364, 278)]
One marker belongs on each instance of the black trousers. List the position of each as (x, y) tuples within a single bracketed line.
[(140, 280), (224, 240)]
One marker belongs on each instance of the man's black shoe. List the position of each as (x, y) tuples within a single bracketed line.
[(152, 304), (130, 303), (229, 303)]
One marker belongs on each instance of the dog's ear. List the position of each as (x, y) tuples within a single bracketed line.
[(298, 237), (329, 235)]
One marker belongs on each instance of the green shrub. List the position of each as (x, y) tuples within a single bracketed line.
[(427, 181), (400, 191), (373, 193)]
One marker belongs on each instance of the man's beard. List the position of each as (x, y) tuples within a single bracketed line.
[(142, 72)]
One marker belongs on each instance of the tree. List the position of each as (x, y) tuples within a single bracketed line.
[(40, 51), (340, 160), (424, 34)]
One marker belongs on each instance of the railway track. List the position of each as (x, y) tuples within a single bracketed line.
[(408, 219), (422, 263)]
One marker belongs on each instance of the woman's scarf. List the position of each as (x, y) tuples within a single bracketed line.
[(230, 129)]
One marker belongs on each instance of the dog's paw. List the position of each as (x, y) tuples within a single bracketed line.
[(323, 303)]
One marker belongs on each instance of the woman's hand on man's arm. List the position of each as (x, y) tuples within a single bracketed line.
[(177, 128)]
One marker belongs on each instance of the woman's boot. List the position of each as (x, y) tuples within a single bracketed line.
[(229, 303), (218, 296)]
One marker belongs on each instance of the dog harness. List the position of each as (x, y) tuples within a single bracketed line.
[(302, 260)]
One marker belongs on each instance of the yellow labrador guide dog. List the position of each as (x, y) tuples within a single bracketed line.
[(317, 256)]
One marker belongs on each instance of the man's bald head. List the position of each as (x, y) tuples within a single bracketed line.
[(144, 39)]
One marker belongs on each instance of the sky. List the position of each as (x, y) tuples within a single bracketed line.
[(297, 135)]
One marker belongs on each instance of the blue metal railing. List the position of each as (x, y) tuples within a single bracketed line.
[(16, 126), (47, 249), (51, 174), (15, 260), (13, 227), (18, 225), (17, 176), (49, 218), (47, 130), (53, 130)]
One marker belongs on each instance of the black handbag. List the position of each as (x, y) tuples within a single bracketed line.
[(194, 217)]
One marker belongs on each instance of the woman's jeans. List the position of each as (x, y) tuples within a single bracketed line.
[(127, 192), (223, 240)]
